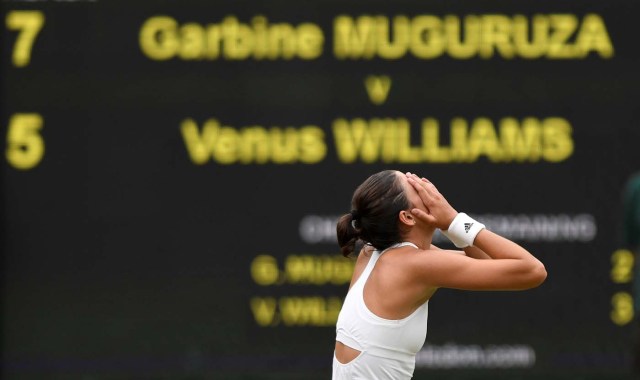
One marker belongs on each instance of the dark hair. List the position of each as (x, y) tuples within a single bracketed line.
[(374, 217)]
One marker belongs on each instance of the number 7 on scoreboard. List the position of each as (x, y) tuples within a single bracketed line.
[(28, 24)]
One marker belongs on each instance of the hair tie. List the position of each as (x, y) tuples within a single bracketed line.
[(354, 218)]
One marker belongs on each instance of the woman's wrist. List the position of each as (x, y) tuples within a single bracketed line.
[(463, 230)]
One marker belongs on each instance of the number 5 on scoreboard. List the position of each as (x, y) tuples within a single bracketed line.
[(25, 146), (28, 23)]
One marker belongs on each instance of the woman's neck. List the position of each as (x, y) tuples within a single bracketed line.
[(421, 238)]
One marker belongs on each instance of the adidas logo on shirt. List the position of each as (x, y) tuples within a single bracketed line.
[(467, 227)]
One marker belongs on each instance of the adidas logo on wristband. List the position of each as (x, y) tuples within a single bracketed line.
[(467, 227), (463, 230)]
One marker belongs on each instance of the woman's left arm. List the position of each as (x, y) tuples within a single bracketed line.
[(471, 251)]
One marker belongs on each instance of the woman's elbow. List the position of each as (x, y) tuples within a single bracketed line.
[(537, 275)]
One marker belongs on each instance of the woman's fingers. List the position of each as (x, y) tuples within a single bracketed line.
[(423, 181), (420, 188), (424, 216), (431, 189), (423, 187), (439, 212), (429, 185)]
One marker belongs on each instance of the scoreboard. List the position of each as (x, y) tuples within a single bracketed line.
[(173, 172)]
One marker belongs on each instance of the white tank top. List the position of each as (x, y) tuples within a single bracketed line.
[(388, 347)]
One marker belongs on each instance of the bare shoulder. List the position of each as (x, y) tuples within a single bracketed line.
[(434, 253), (361, 262), (428, 263)]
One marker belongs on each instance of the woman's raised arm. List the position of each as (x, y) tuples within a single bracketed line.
[(511, 266)]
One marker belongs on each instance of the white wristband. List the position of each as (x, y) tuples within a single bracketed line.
[(463, 230)]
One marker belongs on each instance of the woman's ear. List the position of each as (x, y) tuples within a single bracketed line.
[(407, 218)]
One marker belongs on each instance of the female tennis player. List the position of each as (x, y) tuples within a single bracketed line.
[(383, 321)]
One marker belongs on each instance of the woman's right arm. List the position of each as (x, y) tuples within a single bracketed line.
[(518, 272), (511, 267)]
